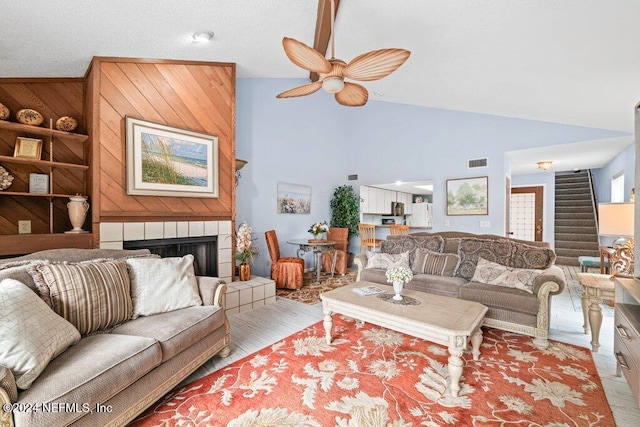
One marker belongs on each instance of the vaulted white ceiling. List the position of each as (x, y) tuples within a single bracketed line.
[(574, 62)]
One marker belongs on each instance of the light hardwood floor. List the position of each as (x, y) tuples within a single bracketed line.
[(258, 328)]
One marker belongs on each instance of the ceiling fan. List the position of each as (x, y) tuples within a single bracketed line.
[(369, 66)]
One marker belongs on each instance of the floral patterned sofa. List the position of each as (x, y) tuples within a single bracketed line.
[(515, 279)]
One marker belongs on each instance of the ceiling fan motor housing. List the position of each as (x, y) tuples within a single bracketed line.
[(334, 82)]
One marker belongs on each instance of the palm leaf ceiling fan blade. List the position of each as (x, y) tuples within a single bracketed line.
[(376, 64), (303, 90), (305, 57), (353, 95)]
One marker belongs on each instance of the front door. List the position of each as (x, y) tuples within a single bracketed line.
[(525, 218)]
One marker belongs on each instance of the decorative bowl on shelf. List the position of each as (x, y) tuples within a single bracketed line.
[(66, 123), (6, 179), (27, 116), (4, 112)]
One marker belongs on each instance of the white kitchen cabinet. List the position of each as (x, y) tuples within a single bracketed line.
[(408, 204), (389, 196), (364, 199), (422, 215)]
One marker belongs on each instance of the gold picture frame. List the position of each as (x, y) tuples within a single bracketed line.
[(30, 148)]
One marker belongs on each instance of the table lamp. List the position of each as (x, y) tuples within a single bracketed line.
[(616, 219)]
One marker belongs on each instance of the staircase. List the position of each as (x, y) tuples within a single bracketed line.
[(575, 225)]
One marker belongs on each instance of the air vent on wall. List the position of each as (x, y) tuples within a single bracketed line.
[(352, 177), (477, 163)]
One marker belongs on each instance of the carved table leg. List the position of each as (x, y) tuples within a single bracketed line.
[(456, 347), (476, 341), (595, 317), (328, 324), (585, 310)]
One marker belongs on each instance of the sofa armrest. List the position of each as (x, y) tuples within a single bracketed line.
[(8, 394), (554, 279), (212, 290), (360, 261), (8, 383)]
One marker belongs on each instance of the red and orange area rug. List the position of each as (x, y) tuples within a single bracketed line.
[(370, 376)]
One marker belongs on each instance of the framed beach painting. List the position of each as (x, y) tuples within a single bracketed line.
[(168, 161), (468, 196), (294, 198)]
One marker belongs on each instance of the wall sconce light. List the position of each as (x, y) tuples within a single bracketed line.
[(239, 165), (545, 165)]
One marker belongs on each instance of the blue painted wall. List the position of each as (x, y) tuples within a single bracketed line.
[(623, 162), (314, 141)]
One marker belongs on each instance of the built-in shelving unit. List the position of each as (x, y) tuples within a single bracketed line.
[(57, 169)]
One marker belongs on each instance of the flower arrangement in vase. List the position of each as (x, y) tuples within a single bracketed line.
[(245, 251), (318, 229), (398, 275)]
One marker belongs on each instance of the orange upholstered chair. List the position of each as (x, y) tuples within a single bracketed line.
[(286, 272), (341, 237)]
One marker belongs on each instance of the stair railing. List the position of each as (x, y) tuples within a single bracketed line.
[(594, 202)]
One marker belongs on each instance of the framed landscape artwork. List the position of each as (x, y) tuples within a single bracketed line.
[(294, 198), (468, 196), (168, 161)]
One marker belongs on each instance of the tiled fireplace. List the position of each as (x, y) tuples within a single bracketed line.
[(114, 234)]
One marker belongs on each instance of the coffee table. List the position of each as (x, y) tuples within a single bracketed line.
[(438, 319)]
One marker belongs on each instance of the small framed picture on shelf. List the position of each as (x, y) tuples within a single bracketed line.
[(28, 147), (38, 183)]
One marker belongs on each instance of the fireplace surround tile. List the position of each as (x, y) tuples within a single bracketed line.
[(153, 230), (211, 228), (111, 232), (112, 235), (170, 230), (196, 228), (133, 231)]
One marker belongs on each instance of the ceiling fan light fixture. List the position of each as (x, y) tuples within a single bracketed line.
[(332, 84), (545, 165)]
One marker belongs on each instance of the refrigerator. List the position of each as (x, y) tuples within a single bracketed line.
[(422, 215)]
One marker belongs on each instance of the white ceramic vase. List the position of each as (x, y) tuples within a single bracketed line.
[(78, 208), (397, 288)]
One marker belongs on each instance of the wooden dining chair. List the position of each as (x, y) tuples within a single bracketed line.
[(368, 237), (398, 230), (287, 272), (335, 260)]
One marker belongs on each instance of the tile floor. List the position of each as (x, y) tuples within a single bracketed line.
[(284, 317)]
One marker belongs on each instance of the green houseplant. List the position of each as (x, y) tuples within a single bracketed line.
[(345, 206)]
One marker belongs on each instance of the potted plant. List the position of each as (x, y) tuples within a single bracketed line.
[(345, 207), (245, 251)]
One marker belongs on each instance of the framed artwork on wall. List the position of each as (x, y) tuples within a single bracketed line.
[(167, 161), (294, 198), (468, 196)]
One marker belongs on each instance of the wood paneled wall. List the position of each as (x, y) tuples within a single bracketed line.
[(198, 96), (54, 98)]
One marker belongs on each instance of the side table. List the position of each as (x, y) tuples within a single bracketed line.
[(596, 288)]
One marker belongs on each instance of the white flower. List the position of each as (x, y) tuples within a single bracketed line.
[(399, 274), (319, 228)]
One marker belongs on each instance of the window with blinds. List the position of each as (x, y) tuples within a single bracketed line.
[(617, 188)]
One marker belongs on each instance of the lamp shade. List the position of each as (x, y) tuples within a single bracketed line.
[(615, 219)]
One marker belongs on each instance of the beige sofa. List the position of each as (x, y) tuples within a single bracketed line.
[(510, 309), (123, 370)]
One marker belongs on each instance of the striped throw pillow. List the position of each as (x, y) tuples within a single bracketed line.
[(92, 296), (429, 262)]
